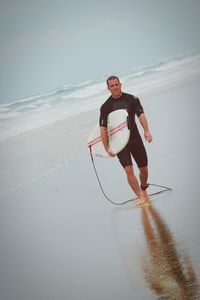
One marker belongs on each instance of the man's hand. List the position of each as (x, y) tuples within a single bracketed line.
[(148, 137), (110, 153), (144, 123)]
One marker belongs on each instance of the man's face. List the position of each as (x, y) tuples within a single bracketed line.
[(114, 87)]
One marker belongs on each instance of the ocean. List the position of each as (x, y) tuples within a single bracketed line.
[(39, 111)]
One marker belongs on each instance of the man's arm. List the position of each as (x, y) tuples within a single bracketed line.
[(144, 123), (104, 138)]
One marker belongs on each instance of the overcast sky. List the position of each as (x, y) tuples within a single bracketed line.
[(47, 44)]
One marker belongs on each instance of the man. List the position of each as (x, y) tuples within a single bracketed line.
[(135, 146)]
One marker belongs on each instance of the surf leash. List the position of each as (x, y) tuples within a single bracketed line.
[(163, 188)]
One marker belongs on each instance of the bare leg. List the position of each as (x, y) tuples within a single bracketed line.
[(133, 182), (143, 180), (143, 175)]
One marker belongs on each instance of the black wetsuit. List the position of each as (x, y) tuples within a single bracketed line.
[(135, 145)]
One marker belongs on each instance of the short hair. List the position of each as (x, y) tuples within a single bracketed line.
[(111, 78)]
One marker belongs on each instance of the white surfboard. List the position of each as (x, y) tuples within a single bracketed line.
[(118, 134)]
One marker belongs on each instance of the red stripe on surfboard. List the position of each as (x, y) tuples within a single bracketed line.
[(113, 131), (120, 126)]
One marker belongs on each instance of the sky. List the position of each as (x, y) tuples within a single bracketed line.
[(47, 44)]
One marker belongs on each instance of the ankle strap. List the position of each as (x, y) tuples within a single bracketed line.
[(144, 187)]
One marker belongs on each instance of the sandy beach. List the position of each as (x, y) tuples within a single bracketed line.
[(61, 239)]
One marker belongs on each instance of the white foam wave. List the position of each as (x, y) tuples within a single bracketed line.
[(41, 110)]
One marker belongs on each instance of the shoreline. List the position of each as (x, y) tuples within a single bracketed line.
[(32, 156)]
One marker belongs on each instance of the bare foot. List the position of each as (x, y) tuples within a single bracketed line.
[(143, 202), (140, 201), (147, 203), (145, 196)]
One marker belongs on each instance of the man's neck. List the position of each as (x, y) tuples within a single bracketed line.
[(117, 97)]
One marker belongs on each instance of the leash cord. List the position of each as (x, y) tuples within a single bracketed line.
[(164, 188)]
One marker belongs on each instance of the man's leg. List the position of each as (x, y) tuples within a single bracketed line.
[(138, 151), (125, 159), (143, 180), (133, 182), (143, 176)]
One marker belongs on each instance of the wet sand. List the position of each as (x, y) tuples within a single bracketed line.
[(61, 238)]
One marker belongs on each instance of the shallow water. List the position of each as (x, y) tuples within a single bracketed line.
[(61, 239)]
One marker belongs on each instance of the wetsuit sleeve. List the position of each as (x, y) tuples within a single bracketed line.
[(138, 107), (103, 117)]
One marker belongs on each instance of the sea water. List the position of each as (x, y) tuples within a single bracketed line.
[(36, 112)]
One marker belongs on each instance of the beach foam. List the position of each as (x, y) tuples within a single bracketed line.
[(33, 113)]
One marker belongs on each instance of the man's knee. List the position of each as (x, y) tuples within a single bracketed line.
[(129, 170), (144, 169)]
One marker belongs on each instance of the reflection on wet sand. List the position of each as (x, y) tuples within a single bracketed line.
[(167, 272)]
